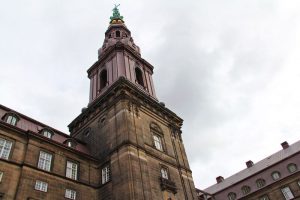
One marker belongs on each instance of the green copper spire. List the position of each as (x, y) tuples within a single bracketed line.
[(116, 18)]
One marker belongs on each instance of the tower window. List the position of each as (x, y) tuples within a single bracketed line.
[(118, 34), (103, 79), (139, 76)]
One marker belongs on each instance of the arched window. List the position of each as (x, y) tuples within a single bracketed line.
[(139, 76), (103, 79), (246, 189), (118, 34), (260, 183), (275, 175), (292, 167), (231, 196)]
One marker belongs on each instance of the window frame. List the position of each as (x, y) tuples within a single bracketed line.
[(51, 160), (13, 116), (77, 169), (48, 131), (42, 183), (2, 150), (292, 165), (260, 183), (276, 172), (284, 193), (246, 189), (159, 141), (68, 194), (105, 175), (231, 196)]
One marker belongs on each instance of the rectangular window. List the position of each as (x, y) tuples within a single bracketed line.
[(70, 194), (1, 175), (5, 147), (157, 142), (71, 170), (287, 193), (11, 120), (164, 173), (41, 186), (45, 161), (105, 174)]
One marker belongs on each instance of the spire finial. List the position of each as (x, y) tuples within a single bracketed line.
[(116, 18)]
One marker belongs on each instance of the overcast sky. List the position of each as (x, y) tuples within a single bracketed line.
[(230, 69)]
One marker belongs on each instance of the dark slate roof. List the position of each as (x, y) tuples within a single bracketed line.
[(259, 166)]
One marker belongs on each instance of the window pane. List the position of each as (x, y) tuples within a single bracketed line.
[(105, 174), (157, 142), (11, 120), (164, 173), (41, 186), (70, 194), (292, 167), (5, 147)]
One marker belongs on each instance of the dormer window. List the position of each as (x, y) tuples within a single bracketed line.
[(118, 34), (139, 76), (70, 143), (11, 119), (47, 133)]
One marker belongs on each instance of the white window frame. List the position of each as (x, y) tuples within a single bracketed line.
[(105, 174), (164, 172), (1, 176), (276, 175), (70, 194), (72, 170), (41, 186), (5, 148), (287, 193), (45, 160), (157, 142), (11, 119)]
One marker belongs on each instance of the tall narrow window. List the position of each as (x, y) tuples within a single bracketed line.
[(287, 193), (70, 194), (164, 173), (72, 170), (157, 142), (103, 79), (45, 161), (11, 119), (139, 76), (5, 147), (105, 174), (41, 186)]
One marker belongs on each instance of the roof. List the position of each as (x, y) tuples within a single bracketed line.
[(28, 124), (256, 168)]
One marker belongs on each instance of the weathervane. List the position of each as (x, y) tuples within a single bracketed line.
[(116, 17)]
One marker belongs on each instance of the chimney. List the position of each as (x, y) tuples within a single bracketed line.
[(249, 163), (285, 145), (220, 179)]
